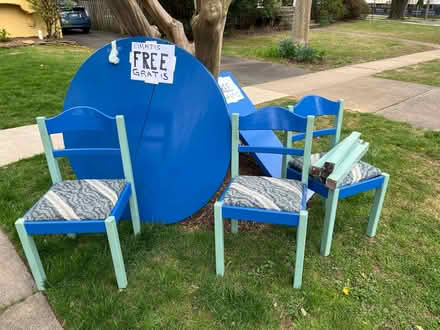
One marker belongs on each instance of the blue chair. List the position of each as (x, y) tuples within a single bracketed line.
[(266, 199), (363, 176), (81, 206)]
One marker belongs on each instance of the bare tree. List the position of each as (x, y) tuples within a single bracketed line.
[(208, 25), (428, 4), (301, 22)]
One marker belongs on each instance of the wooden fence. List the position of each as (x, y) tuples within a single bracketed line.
[(100, 15)]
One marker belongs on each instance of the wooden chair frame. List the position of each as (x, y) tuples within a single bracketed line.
[(82, 119), (267, 119), (319, 106)]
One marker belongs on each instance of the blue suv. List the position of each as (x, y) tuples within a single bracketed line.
[(75, 18)]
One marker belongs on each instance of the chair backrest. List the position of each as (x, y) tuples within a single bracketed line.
[(272, 118), (84, 119), (313, 105)]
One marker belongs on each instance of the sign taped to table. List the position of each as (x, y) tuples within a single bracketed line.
[(152, 63)]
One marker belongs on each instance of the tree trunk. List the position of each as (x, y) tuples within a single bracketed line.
[(208, 26), (302, 21), (131, 19), (428, 4), (398, 8)]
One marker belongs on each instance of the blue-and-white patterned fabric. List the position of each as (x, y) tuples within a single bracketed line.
[(265, 193), (360, 171), (77, 200)]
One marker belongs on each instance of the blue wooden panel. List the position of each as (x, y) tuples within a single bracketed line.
[(81, 118), (315, 105), (108, 88), (272, 150), (122, 203), (179, 134), (273, 118), (86, 152), (185, 149), (321, 132), (270, 163), (362, 186), (266, 216), (64, 227)]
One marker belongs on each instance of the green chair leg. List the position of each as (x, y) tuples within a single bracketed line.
[(135, 219), (234, 226), (115, 248), (329, 221), (32, 255), (377, 207), (219, 239), (300, 247)]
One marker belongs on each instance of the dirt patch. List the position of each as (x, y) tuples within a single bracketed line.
[(203, 220)]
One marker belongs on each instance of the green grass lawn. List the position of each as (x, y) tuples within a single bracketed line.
[(427, 73), (34, 81), (341, 49), (393, 29), (393, 280)]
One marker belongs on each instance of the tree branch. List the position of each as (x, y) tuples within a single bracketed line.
[(131, 19), (171, 27)]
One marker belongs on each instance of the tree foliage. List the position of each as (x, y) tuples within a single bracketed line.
[(48, 11)]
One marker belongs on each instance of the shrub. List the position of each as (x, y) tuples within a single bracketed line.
[(356, 9), (299, 53), (4, 35)]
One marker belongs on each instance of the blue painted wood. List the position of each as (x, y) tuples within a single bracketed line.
[(122, 202), (270, 163), (81, 118), (272, 150), (64, 227), (356, 188), (266, 216), (273, 118), (86, 152), (321, 132), (316, 106), (171, 129)]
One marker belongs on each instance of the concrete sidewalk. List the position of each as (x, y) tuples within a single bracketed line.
[(21, 306)]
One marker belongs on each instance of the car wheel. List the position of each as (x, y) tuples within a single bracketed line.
[(86, 30)]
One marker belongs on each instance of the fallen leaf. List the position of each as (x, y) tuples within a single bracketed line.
[(346, 291)]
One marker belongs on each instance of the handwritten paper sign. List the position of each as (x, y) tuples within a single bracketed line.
[(230, 90), (152, 63)]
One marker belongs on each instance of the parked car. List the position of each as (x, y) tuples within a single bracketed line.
[(75, 18)]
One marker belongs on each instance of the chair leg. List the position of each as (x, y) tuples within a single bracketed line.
[(115, 248), (377, 206), (135, 219), (329, 221), (219, 239), (300, 248), (234, 226), (32, 255)]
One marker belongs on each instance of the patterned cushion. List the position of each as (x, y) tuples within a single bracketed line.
[(77, 200), (265, 193), (360, 171)]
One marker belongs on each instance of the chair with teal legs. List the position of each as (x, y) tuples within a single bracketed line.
[(266, 199), (86, 205), (363, 176)]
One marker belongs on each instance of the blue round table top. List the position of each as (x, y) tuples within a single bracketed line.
[(177, 123)]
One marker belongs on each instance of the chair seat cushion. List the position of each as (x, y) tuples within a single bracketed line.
[(360, 171), (77, 200), (265, 193)]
